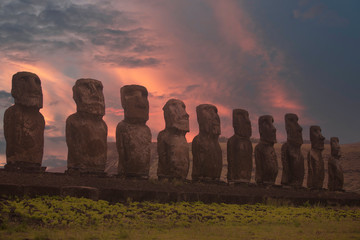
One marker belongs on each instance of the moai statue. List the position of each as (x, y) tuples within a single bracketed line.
[(316, 172), (24, 125), (207, 154), (86, 131), (336, 176), (291, 156), (239, 148), (172, 146), (133, 137), (265, 156)]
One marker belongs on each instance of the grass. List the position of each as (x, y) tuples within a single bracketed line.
[(74, 218)]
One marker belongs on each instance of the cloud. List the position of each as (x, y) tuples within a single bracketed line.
[(32, 30), (50, 128), (129, 62), (192, 87), (54, 161), (6, 100), (320, 13), (198, 51), (2, 146)]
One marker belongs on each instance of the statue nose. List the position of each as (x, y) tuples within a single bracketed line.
[(92, 88), (33, 85)]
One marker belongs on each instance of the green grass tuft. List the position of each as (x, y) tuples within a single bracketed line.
[(79, 218)]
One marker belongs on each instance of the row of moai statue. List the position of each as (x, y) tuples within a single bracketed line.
[(86, 138)]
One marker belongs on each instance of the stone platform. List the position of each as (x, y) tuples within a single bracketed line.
[(114, 189)]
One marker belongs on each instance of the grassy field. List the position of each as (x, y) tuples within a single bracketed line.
[(73, 218)]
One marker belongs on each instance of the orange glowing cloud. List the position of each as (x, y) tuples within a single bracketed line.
[(237, 28)]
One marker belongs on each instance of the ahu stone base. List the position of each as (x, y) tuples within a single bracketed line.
[(114, 189)]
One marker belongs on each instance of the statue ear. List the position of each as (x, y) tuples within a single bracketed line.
[(13, 93)]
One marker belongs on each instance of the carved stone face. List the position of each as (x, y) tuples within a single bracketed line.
[(26, 89), (175, 115), (267, 129), (241, 123), (208, 119), (293, 129), (335, 147), (135, 103), (316, 138), (89, 97)]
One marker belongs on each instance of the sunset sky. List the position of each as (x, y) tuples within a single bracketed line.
[(268, 57)]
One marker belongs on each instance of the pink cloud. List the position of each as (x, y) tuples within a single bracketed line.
[(188, 59)]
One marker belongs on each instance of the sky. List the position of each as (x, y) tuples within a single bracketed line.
[(268, 57)]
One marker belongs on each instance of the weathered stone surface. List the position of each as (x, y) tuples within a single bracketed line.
[(316, 172), (336, 175), (117, 189), (86, 132), (172, 146), (207, 155), (135, 104), (80, 192), (133, 137), (239, 148), (265, 156), (291, 156), (24, 124)]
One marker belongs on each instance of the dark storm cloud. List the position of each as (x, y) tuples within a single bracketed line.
[(29, 28), (320, 13), (60, 139), (154, 95), (129, 62), (4, 94), (53, 103), (2, 142), (53, 161), (6, 100), (191, 87), (51, 128)]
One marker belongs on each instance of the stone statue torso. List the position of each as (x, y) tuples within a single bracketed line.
[(207, 158), (266, 163), (293, 165), (336, 175), (316, 170), (24, 134), (173, 152), (133, 142), (86, 137), (239, 157)]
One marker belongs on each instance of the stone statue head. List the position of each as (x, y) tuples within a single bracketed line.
[(26, 90), (241, 123), (293, 129), (316, 138), (175, 115), (89, 97), (135, 103), (267, 129), (335, 147), (208, 119)]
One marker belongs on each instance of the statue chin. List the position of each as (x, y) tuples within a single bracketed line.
[(318, 146), (95, 109), (36, 102), (181, 126), (295, 141)]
